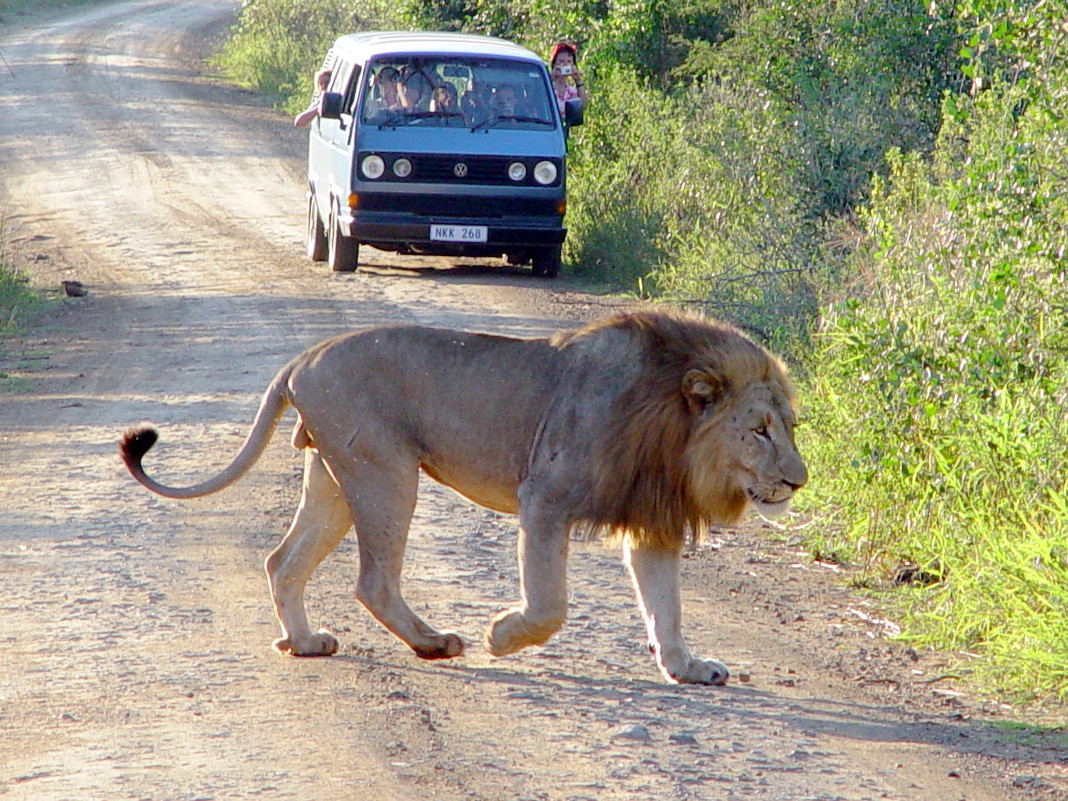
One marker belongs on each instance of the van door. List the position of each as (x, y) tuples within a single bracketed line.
[(329, 157)]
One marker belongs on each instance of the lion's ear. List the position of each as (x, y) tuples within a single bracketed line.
[(702, 388)]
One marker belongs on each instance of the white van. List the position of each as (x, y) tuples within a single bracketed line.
[(438, 143)]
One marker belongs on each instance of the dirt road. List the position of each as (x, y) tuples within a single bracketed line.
[(136, 659)]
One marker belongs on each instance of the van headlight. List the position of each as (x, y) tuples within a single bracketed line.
[(373, 167), (544, 172), (517, 171), (402, 168)]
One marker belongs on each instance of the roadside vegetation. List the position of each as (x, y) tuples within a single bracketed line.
[(12, 9), (16, 298), (879, 190)]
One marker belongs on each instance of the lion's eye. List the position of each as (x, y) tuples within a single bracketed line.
[(762, 432)]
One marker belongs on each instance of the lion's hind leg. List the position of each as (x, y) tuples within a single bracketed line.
[(656, 578), (321, 521), (382, 496)]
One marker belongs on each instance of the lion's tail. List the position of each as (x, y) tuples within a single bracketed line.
[(136, 442)]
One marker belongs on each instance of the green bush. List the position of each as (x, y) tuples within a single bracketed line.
[(16, 298), (719, 183), (743, 244), (650, 38), (939, 386), (617, 161), (692, 198), (277, 45), (858, 77)]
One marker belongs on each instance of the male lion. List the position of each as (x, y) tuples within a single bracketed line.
[(647, 425)]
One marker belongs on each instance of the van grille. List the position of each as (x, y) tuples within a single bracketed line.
[(443, 207), (432, 168)]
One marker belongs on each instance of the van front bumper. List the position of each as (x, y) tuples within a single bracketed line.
[(403, 231)]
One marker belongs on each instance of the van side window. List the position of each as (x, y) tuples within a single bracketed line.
[(344, 80), (352, 88), (338, 76), (329, 61)]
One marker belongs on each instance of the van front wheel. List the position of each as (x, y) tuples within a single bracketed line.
[(343, 252), (317, 244), (546, 262)]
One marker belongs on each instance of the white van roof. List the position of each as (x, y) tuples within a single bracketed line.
[(362, 47)]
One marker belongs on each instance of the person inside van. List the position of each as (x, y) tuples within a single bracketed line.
[(444, 100), (385, 99), (322, 80), (415, 93), (475, 100), (505, 100)]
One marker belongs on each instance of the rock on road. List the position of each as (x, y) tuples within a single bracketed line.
[(136, 659)]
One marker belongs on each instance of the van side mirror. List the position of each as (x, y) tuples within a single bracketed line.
[(330, 105), (573, 112)]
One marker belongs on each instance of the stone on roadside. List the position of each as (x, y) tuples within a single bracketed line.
[(635, 732)]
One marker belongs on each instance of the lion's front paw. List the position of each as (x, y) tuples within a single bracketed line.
[(511, 631), (678, 666), (321, 643), (701, 671)]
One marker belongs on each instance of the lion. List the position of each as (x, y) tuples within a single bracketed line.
[(645, 426)]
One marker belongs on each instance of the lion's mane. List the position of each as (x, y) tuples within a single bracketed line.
[(642, 479)]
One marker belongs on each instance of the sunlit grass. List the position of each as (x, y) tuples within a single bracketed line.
[(937, 398), (16, 297)]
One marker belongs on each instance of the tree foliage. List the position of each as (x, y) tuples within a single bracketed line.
[(943, 369)]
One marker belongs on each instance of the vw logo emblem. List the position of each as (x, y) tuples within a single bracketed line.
[(460, 170)]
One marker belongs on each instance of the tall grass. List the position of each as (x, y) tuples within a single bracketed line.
[(16, 298), (940, 386)]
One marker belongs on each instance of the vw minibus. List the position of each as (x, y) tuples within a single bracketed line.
[(437, 143)]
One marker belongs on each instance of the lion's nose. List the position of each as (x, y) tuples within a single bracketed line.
[(798, 476)]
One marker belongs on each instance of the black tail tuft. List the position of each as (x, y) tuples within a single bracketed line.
[(135, 443)]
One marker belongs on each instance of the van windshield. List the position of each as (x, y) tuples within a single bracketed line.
[(457, 91)]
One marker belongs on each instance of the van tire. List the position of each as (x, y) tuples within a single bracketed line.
[(317, 243), (342, 252), (546, 262)]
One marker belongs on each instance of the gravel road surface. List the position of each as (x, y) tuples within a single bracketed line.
[(136, 659)]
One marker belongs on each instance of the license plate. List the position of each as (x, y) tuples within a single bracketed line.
[(458, 233)]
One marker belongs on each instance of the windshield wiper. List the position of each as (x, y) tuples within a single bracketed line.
[(490, 122)]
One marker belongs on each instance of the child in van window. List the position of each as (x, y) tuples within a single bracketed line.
[(444, 100), (322, 80)]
